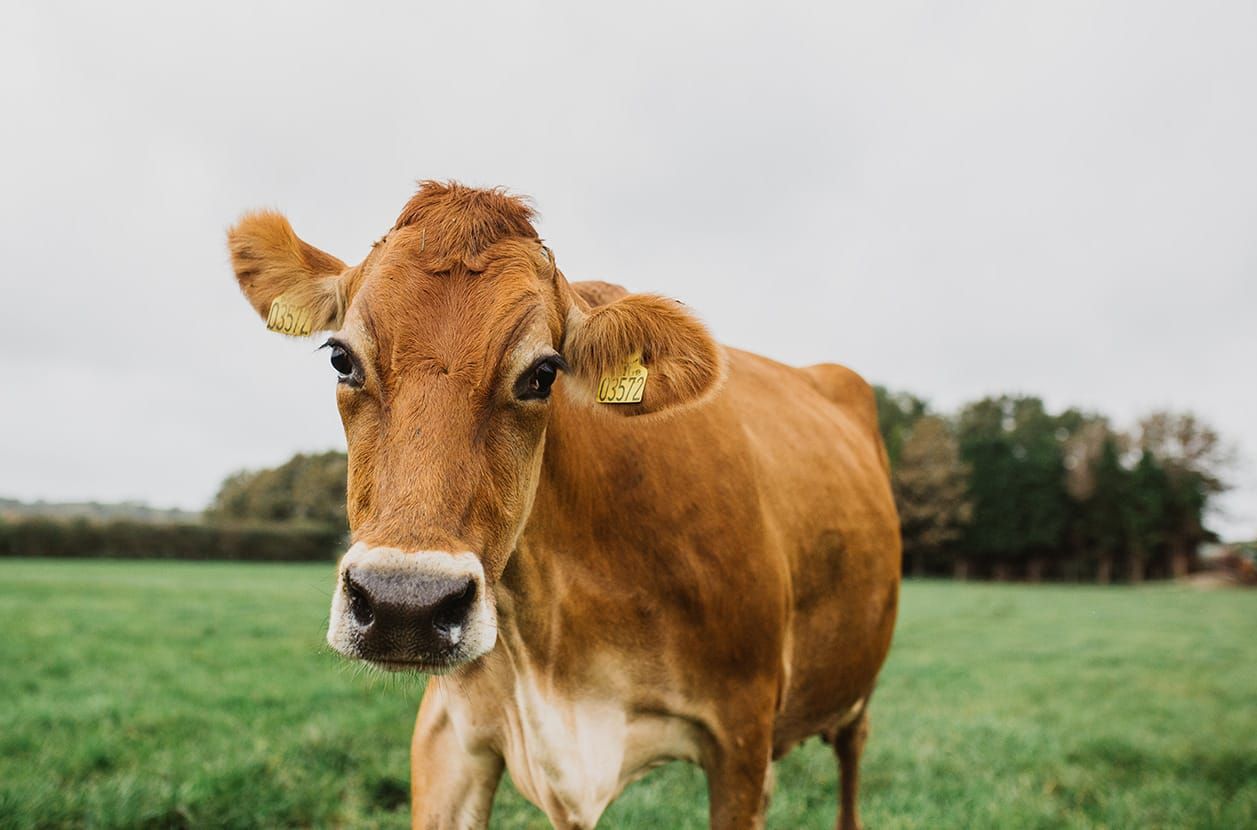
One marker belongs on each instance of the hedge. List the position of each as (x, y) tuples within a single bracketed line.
[(80, 538)]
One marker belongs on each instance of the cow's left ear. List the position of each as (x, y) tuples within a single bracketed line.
[(683, 363)]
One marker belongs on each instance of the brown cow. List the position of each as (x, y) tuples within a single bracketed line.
[(709, 574)]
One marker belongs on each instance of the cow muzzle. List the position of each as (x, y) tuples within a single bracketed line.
[(424, 611)]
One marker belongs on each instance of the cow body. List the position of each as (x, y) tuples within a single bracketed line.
[(719, 583), (708, 574)]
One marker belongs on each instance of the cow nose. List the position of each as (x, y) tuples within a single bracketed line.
[(407, 617)]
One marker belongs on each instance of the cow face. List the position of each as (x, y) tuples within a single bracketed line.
[(450, 344)]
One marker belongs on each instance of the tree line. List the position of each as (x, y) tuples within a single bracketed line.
[(1002, 488), (85, 538), (1005, 488), (293, 512)]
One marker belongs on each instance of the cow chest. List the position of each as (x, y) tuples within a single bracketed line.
[(571, 756)]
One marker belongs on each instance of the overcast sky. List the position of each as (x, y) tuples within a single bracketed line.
[(1051, 198)]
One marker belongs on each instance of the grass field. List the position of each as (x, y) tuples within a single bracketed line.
[(190, 695)]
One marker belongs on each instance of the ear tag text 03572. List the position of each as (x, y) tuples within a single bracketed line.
[(287, 318), (626, 384)]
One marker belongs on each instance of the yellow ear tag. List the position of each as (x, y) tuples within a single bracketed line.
[(626, 384), (286, 318)]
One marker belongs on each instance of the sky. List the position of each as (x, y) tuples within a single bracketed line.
[(956, 199)]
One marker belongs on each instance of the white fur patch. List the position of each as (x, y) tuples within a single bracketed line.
[(573, 756)]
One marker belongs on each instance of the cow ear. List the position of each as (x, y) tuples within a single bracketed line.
[(294, 286), (683, 363)]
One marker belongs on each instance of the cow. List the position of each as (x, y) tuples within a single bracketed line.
[(610, 541)]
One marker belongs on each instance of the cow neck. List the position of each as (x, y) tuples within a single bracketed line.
[(559, 548)]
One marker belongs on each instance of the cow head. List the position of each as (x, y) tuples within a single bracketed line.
[(450, 344)]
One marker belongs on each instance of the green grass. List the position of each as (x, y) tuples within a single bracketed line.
[(169, 695)]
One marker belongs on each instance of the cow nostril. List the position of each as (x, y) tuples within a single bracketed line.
[(359, 603), (452, 611)]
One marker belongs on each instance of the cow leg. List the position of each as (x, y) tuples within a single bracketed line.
[(739, 795), (848, 744), (451, 785), (739, 781)]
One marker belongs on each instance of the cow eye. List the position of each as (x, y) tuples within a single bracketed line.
[(344, 363), (542, 379), (534, 384)]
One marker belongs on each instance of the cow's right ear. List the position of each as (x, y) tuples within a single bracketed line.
[(294, 286)]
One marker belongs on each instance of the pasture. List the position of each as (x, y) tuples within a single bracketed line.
[(200, 694)]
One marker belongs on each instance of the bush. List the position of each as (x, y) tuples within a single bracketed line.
[(79, 538)]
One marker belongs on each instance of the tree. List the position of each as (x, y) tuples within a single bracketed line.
[(897, 412), (307, 489), (1098, 481), (1017, 483), (1195, 461), (1107, 512), (1184, 443), (1083, 447), (931, 490), (1147, 495)]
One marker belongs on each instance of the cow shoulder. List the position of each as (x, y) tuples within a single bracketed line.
[(597, 292)]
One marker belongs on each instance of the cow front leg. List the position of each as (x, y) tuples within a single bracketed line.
[(451, 784), (739, 779)]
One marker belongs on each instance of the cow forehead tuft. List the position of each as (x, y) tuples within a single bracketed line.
[(451, 224)]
